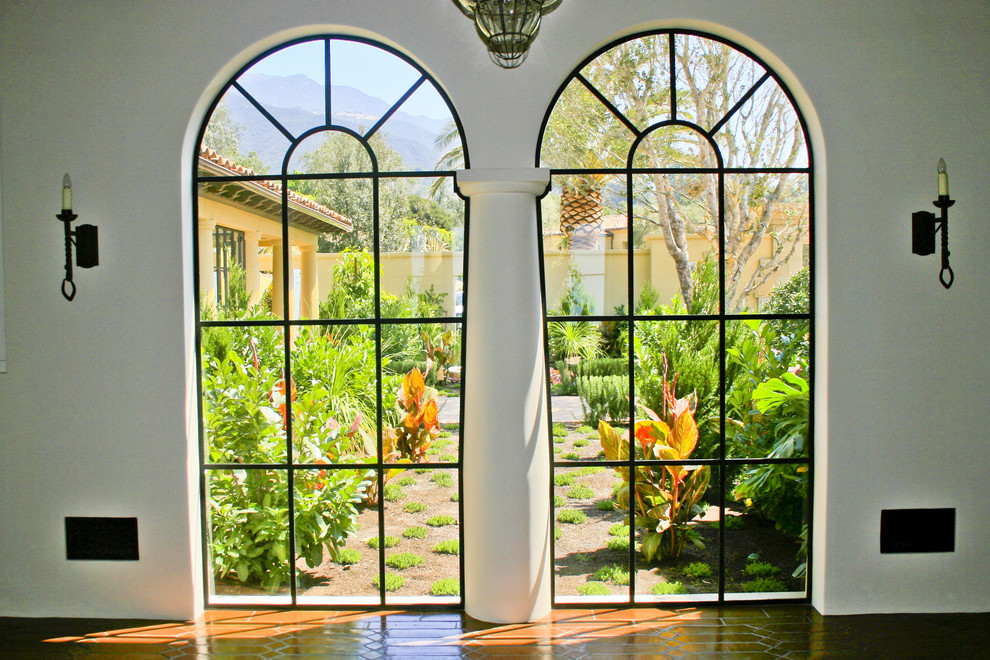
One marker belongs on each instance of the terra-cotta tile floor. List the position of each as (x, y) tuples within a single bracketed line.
[(738, 632)]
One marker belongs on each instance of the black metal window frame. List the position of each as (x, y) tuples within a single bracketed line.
[(286, 324), (722, 317)]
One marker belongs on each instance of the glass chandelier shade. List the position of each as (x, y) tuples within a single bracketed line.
[(507, 27)]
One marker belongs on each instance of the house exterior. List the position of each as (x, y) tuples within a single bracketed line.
[(243, 219)]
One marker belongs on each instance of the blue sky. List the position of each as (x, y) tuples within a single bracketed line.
[(374, 71)]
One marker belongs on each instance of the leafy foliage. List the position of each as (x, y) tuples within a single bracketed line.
[(667, 497), (604, 397), (419, 426), (446, 587), (769, 416)]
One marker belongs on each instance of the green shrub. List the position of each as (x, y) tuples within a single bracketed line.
[(614, 574), (443, 479), (581, 442), (559, 430), (618, 529), (394, 493), (761, 569), (447, 458), (618, 543), (441, 443), (665, 588), (605, 505), (455, 497), (570, 456), (580, 492), (604, 398), (415, 507), (559, 439), (415, 533), (390, 542), (348, 556), (762, 585), (403, 560), (558, 501), (571, 516), (406, 481), (557, 533), (585, 429), (563, 479), (446, 587), (449, 547), (593, 589), (698, 569), (441, 520), (393, 582), (734, 522), (588, 469), (422, 470)]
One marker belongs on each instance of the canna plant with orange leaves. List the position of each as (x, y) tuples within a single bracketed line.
[(667, 497), (417, 404)]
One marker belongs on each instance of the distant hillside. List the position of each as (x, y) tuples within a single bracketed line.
[(298, 104)]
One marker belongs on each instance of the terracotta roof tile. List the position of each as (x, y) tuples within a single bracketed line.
[(294, 197)]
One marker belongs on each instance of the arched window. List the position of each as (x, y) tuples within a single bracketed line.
[(677, 270), (329, 339)]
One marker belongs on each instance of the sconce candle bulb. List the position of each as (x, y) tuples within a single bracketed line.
[(66, 193), (943, 178)]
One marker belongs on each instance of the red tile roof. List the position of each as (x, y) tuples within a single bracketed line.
[(311, 207)]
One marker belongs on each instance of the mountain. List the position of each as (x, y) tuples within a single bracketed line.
[(298, 103)]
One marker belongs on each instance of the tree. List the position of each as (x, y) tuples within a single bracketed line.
[(224, 137), (452, 158), (340, 153)]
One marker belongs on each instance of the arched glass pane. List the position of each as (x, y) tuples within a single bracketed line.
[(711, 78), (330, 152), (360, 98), (675, 146), (582, 132), (421, 140), (241, 133), (764, 132), (289, 84), (635, 77)]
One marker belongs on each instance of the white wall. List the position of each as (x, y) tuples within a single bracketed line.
[(95, 412)]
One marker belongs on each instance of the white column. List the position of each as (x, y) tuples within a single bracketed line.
[(507, 512), (309, 307), (278, 304), (207, 267), (252, 269)]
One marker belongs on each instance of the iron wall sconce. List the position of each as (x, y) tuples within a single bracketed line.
[(84, 238), (925, 225)]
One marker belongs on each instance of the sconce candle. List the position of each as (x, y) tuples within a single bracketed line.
[(925, 227), (66, 193), (84, 239)]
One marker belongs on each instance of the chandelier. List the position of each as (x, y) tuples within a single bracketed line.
[(507, 27)]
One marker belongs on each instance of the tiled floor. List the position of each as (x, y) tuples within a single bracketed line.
[(750, 632)]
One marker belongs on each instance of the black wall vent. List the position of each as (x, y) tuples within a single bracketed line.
[(101, 538), (917, 530)]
